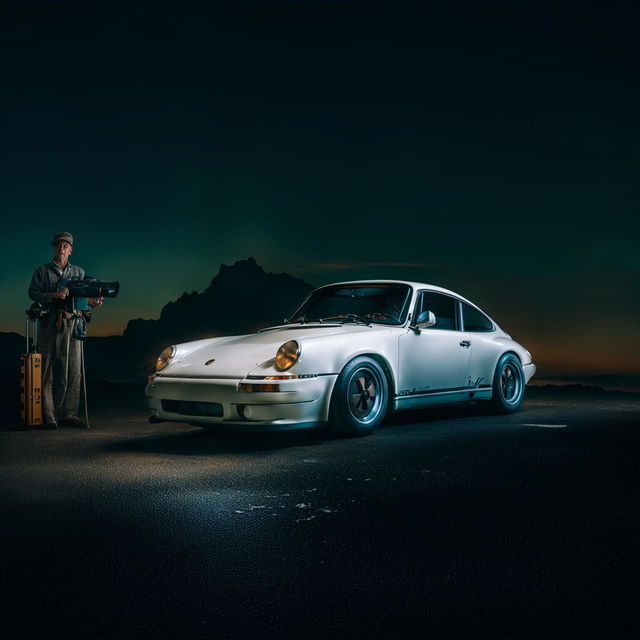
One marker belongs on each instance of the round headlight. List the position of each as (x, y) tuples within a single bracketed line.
[(287, 355), (164, 357)]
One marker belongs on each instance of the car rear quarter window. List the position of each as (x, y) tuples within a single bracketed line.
[(475, 320)]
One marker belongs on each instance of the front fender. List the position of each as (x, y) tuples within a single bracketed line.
[(327, 355)]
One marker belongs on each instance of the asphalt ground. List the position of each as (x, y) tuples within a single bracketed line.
[(447, 523)]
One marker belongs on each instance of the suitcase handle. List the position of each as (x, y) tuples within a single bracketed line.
[(31, 346)]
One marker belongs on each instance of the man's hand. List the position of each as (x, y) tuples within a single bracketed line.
[(95, 302), (60, 295)]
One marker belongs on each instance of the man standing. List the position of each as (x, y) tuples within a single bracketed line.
[(58, 341)]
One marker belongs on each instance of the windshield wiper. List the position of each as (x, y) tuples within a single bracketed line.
[(381, 316), (353, 317)]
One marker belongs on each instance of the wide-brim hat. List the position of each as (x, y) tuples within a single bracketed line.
[(65, 236)]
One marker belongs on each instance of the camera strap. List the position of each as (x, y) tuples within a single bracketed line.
[(79, 323), (80, 328)]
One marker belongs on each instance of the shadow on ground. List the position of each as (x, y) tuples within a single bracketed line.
[(235, 440), (436, 414), (105, 399), (201, 442)]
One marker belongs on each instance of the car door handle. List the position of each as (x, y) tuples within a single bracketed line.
[(465, 343)]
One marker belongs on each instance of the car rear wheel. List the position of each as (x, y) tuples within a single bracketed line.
[(360, 397), (508, 385)]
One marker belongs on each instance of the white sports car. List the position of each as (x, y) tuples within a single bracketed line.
[(351, 353)]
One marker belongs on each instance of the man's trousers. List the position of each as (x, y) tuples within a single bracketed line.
[(62, 367)]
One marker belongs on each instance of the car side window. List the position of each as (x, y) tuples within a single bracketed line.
[(444, 308), (474, 320)]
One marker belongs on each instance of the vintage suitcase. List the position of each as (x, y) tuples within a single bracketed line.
[(31, 389)]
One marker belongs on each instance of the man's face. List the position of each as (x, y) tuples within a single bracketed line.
[(61, 251)]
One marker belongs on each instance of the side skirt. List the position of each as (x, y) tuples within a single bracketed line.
[(440, 397)]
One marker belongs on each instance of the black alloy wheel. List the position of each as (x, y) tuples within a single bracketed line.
[(360, 398), (508, 384)]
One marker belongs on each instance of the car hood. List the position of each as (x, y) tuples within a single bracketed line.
[(237, 356)]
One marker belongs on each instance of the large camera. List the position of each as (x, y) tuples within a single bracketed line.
[(90, 288)]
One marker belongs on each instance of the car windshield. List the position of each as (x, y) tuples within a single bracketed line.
[(385, 303)]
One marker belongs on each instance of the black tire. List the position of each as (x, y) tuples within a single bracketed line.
[(508, 385), (359, 399)]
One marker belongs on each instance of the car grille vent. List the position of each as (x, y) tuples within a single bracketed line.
[(188, 408)]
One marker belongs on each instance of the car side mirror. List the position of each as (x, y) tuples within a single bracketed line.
[(424, 320)]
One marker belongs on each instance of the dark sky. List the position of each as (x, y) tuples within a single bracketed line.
[(488, 147)]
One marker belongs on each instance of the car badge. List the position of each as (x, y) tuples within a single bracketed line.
[(210, 361)]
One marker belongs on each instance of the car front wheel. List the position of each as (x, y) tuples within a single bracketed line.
[(360, 397), (508, 385)]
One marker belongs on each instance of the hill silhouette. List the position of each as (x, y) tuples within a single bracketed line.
[(241, 298)]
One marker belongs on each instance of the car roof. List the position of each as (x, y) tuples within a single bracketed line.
[(415, 285)]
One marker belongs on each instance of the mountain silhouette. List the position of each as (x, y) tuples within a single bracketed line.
[(241, 298)]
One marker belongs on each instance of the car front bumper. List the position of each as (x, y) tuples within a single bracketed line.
[(529, 371), (209, 401)]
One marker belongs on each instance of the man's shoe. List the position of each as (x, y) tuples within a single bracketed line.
[(74, 421), (50, 425)]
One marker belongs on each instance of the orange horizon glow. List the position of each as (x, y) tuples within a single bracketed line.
[(549, 360)]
